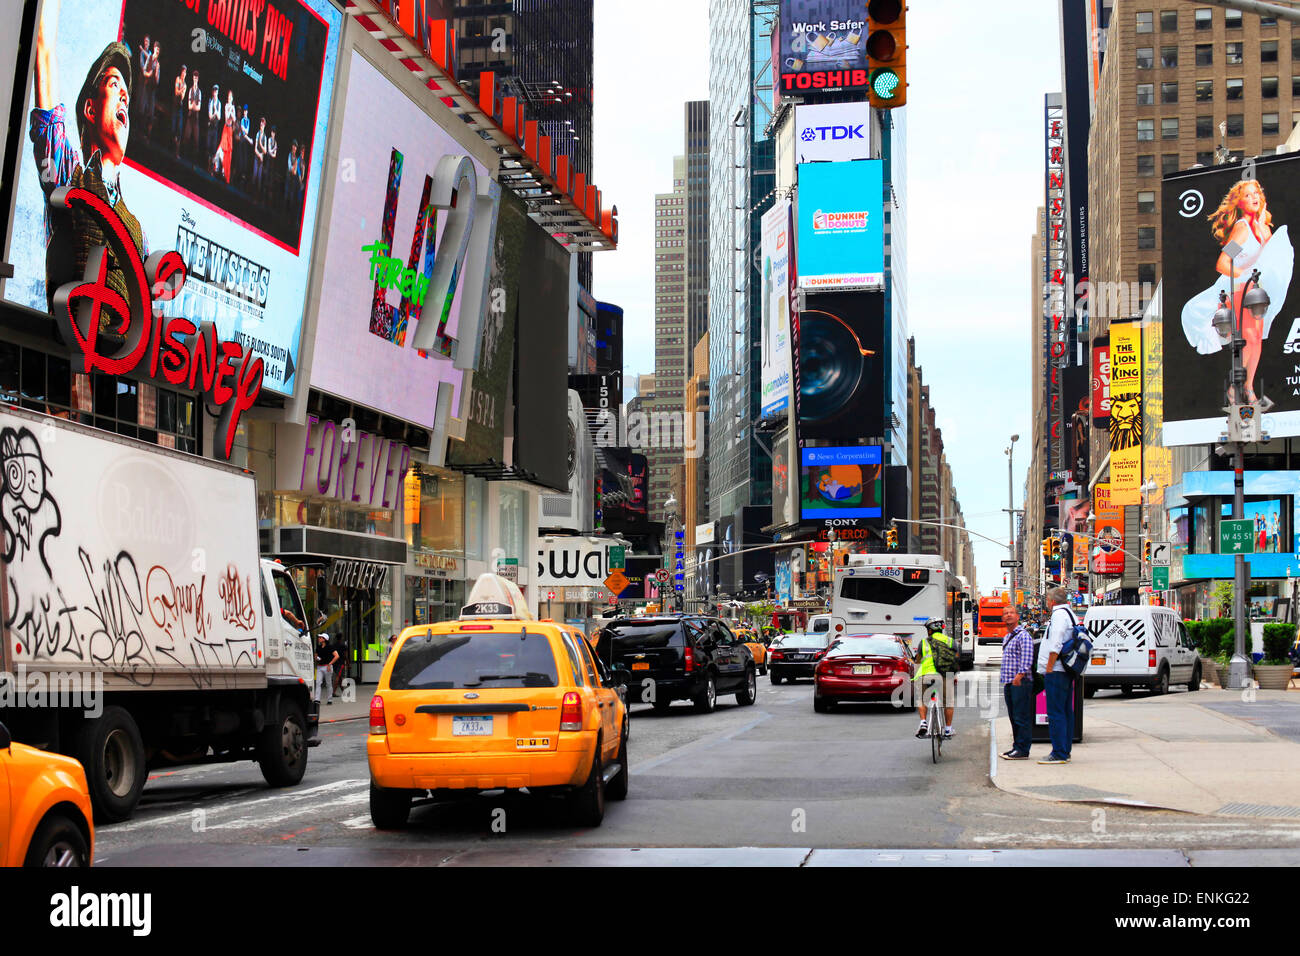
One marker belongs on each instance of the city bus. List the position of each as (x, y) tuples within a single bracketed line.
[(961, 620), (891, 594), (988, 645)]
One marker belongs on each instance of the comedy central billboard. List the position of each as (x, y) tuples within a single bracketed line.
[(822, 47), (202, 124), (1224, 231), (841, 235)]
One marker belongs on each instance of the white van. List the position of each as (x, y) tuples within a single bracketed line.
[(1139, 646)]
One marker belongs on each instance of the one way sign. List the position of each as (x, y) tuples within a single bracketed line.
[(1160, 554)]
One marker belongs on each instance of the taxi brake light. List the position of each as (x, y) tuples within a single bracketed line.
[(571, 712), (476, 627), (378, 725)]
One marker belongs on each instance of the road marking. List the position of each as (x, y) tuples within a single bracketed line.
[(236, 804), (267, 820), (358, 823)]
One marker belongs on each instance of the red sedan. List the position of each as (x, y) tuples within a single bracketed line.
[(863, 668)]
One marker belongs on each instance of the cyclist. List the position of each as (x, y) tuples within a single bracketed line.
[(928, 678)]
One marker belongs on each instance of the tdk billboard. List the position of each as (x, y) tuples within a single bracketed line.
[(834, 132)]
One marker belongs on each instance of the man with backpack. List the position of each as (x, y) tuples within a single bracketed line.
[(1057, 680), (937, 670)]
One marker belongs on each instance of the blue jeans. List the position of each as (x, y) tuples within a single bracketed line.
[(1060, 720), (1020, 709)]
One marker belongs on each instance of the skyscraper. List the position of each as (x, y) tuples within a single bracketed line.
[(697, 225), (671, 349)]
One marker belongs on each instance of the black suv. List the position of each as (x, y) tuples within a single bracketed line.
[(678, 657)]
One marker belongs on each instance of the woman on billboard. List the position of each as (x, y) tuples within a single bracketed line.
[(1243, 218)]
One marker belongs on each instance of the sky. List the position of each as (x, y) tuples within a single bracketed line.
[(975, 181)]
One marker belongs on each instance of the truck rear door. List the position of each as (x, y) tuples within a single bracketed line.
[(1105, 642)]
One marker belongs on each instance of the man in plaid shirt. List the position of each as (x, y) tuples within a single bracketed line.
[(1018, 684)]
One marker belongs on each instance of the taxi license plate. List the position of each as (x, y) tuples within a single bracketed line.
[(643, 666), (1099, 660), (471, 726), (863, 669)]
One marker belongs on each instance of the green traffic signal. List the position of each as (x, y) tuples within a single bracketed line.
[(883, 83)]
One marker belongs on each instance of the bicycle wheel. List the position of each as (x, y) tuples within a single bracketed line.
[(934, 747)]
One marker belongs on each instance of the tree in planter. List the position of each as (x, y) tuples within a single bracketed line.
[(1221, 598), (1196, 634), (1279, 638)]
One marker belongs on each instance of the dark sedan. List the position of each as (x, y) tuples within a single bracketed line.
[(795, 655), (868, 668)]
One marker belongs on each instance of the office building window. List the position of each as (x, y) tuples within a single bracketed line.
[(1169, 56), (1145, 22), (1205, 158), (1204, 18), (1169, 128), (1146, 201), (1205, 54), (1270, 123), (1204, 127), (1295, 86), (1168, 21), (1146, 94), (1295, 48), (1168, 92), (1146, 237), (1232, 54), (1236, 124), (1268, 21), (1146, 58), (1235, 89), (1146, 130), (1147, 274), (1232, 19), (1204, 91), (1146, 165), (1169, 164), (1268, 51), (1268, 87)]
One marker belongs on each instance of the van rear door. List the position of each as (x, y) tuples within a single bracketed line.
[(1105, 643)]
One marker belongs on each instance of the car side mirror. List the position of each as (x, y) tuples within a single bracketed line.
[(5, 739)]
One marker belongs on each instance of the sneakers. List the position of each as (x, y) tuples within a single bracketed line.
[(947, 733), (1053, 758), (922, 730), (1012, 755)]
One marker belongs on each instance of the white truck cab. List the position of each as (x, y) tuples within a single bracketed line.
[(1139, 646)]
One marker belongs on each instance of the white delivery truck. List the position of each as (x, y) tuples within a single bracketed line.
[(1139, 646), (141, 627)]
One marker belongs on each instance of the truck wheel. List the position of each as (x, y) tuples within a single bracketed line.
[(1161, 685), (389, 809), (1195, 682), (587, 804), (282, 749), (57, 842), (111, 750)]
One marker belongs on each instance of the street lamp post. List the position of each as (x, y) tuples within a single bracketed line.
[(1092, 523), (1011, 514), (1227, 322)]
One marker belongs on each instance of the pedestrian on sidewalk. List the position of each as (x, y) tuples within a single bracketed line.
[(326, 655), (1018, 684), (1058, 682)]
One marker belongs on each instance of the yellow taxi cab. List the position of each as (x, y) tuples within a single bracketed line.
[(757, 648), (45, 815), (495, 700)]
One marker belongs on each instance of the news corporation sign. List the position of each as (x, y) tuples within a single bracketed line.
[(833, 132)]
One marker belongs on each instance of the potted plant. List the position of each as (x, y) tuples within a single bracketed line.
[(1223, 641), (1274, 671), (1198, 632)]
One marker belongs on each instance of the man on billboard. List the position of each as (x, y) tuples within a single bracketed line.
[(1243, 217), (102, 111)]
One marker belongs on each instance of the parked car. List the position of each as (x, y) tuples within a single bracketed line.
[(681, 657), (1139, 646), (495, 700), (861, 669), (796, 655), (45, 814)]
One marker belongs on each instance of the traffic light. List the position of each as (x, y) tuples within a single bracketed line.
[(1055, 544), (887, 53), (891, 539), (1047, 549), (1146, 552)]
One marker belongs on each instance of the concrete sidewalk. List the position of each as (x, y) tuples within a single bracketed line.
[(1208, 752), (356, 709)]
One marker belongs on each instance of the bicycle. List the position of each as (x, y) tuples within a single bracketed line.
[(934, 727)]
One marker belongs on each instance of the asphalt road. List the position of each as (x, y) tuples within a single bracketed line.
[(773, 775)]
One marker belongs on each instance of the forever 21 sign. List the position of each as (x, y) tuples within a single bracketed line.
[(576, 562)]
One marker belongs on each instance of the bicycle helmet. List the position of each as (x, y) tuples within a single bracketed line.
[(934, 625)]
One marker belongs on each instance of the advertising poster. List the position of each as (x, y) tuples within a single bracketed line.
[(385, 234), (1080, 552), (1109, 545), (775, 303), (841, 482), (841, 372), (1125, 413), (832, 132), (205, 130), (841, 235), (785, 454), (1157, 460), (1074, 388), (822, 46), (1207, 214), (1100, 380)]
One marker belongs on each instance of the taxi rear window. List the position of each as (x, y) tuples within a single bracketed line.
[(443, 661)]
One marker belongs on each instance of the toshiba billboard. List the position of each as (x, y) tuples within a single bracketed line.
[(822, 46)]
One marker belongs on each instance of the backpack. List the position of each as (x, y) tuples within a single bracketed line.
[(944, 656), (1076, 649)]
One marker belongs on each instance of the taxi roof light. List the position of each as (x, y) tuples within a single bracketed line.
[(495, 597)]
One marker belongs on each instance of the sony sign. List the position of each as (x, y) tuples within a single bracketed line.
[(833, 132)]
